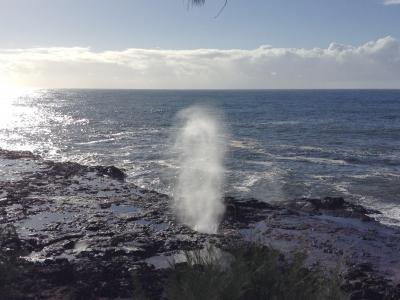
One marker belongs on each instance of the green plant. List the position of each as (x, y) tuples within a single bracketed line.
[(8, 275), (252, 272)]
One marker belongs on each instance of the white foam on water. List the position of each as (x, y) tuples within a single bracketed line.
[(317, 160), (390, 215)]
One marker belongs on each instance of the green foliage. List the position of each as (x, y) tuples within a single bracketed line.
[(256, 272), (9, 271), (8, 275), (202, 2), (198, 2)]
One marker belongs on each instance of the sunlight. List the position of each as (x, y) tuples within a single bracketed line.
[(11, 92), (9, 95)]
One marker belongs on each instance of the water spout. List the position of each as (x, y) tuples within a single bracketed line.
[(198, 193)]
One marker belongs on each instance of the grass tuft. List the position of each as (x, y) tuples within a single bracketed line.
[(253, 272)]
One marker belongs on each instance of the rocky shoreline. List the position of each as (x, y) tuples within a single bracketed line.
[(83, 232)]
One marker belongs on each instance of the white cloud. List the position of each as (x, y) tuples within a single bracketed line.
[(375, 64), (391, 2)]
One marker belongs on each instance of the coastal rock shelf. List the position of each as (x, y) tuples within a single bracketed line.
[(83, 230)]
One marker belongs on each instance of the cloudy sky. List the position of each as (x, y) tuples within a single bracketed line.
[(167, 44)]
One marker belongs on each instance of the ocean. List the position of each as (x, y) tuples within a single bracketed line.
[(282, 144)]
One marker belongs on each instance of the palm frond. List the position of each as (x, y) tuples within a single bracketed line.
[(202, 2), (198, 2)]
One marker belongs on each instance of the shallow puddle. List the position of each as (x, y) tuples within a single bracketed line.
[(41, 220), (165, 261), (200, 255), (124, 210)]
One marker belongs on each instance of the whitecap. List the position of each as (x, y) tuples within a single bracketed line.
[(280, 123), (97, 141), (244, 144), (317, 160)]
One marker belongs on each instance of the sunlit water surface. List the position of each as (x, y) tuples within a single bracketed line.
[(283, 144)]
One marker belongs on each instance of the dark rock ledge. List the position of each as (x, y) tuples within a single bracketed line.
[(83, 232)]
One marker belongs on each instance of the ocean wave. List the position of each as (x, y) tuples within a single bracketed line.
[(248, 144), (265, 185), (322, 177), (310, 148), (86, 158), (371, 158), (390, 212), (343, 188), (254, 147), (361, 176), (317, 160), (280, 123), (165, 163), (111, 137), (98, 141), (252, 179), (262, 163), (81, 121), (383, 174), (390, 215)]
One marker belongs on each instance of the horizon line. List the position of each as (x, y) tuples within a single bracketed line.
[(216, 89)]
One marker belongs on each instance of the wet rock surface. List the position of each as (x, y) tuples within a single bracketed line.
[(83, 232)]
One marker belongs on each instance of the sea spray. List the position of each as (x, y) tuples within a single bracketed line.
[(198, 193)]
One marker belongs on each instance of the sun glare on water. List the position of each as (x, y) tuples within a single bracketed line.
[(9, 95)]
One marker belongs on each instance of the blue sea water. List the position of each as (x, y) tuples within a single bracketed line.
[(282, 144)]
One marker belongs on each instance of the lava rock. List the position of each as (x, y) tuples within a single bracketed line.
[(105, 205), (9, 154), (112, 172), (329, 203)]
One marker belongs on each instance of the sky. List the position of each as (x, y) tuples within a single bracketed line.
[(169, 44)]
